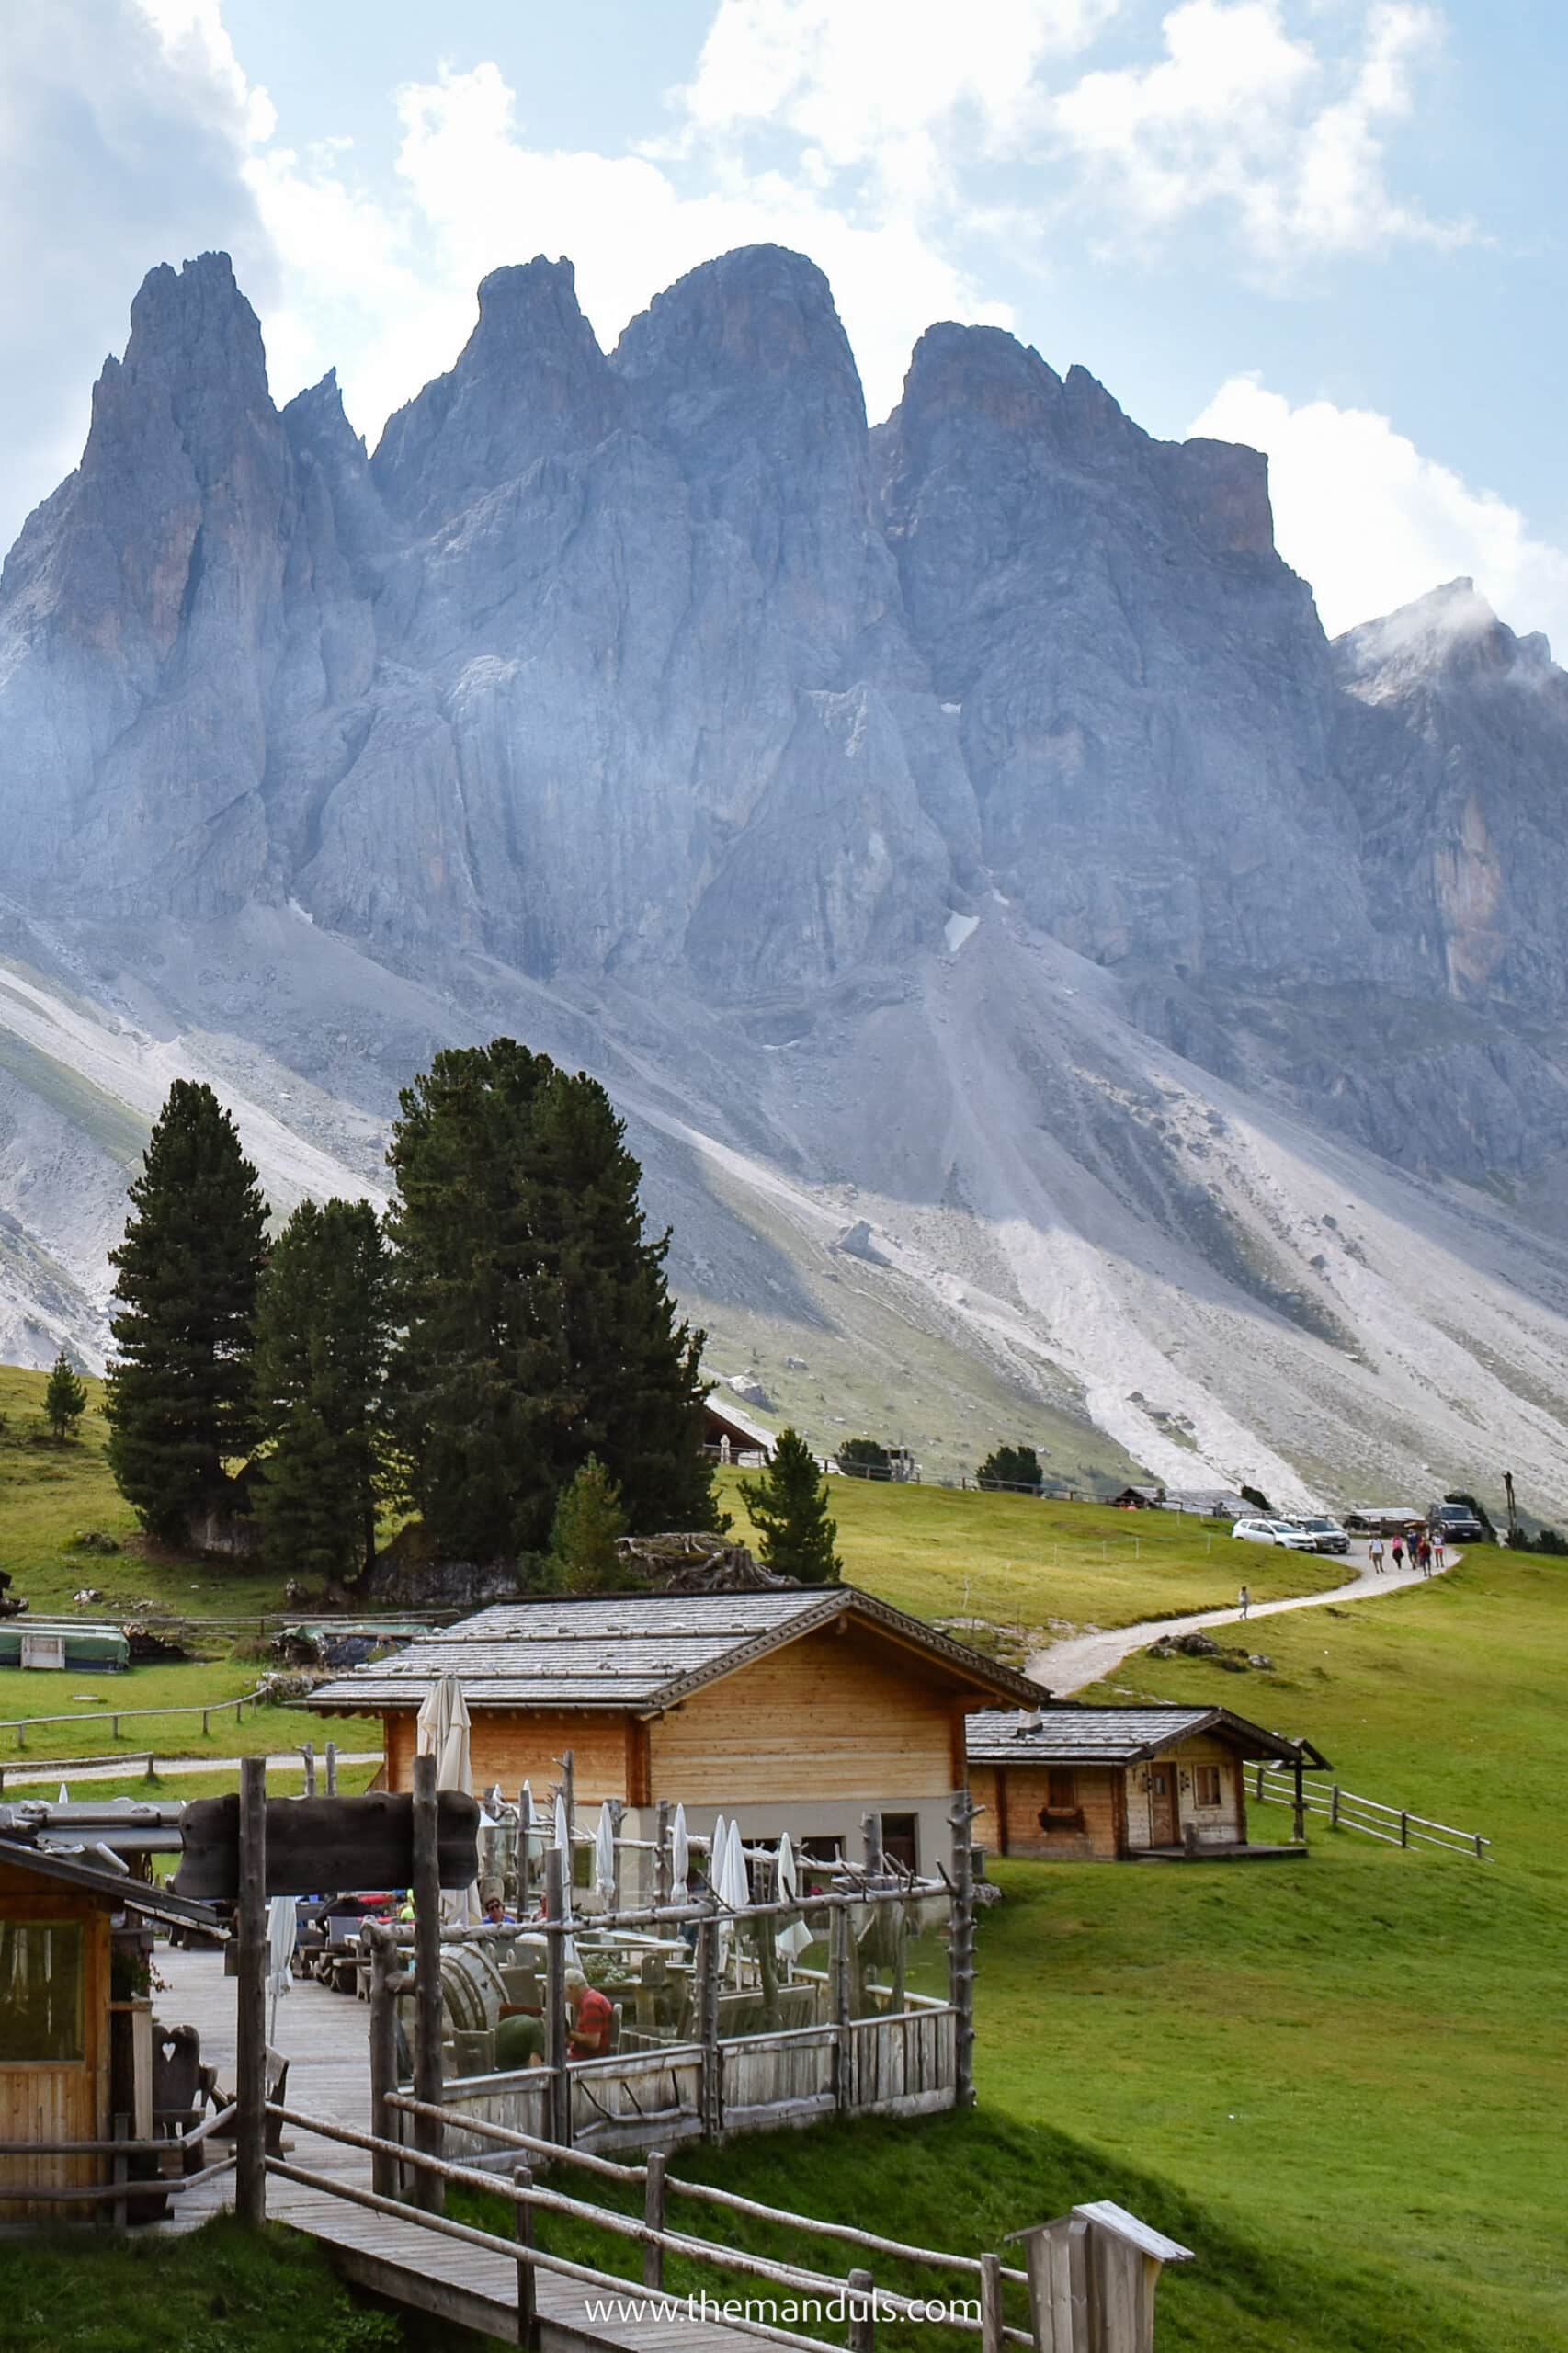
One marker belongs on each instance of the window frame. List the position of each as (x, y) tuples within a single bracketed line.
[(1201, 1773), (77, 1929)]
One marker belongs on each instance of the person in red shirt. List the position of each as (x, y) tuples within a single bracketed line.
[(593, 2015)]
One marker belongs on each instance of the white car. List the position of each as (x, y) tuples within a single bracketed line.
[(1275, 1531)]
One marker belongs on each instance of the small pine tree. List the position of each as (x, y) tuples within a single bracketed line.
[(863, 1458), (589, 1522), (1012, 1466), (65, 1400), (321, 1352), (179, 1396), (789, 1505)]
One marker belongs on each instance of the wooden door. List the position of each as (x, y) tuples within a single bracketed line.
[(1163, 1826)]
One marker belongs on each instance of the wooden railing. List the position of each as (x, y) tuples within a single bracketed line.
[(119, 2191), (980, 2316), (1344, 1811), (22, 1726)]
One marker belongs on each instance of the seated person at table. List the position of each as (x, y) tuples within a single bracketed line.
[(593, 2015), (519, 2042), (495, 1913)]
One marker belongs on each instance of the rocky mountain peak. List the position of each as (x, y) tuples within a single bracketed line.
[(530, 382)]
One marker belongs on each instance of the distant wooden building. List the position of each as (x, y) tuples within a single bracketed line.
[(1139, 1499), (800, 1711), (732, 1436), (1084, 1784)]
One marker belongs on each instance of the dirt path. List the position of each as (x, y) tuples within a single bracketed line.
[(288, 1760), (1067, 1666)]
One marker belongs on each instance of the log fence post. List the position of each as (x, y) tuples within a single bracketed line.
[(250, 2064), (385, 2120), (1298, 1813), (840, 1939), (710, 2095), (1405, 1829), (961, 1949), (427, 2064), (332, 1769), (556, 2054), (527, 2320), (991, 2338), (862, 2297), (309, 1754), (661, 1853), (655, 2200)]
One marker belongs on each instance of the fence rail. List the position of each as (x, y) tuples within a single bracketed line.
[(22, 1726), (1344, 1810)]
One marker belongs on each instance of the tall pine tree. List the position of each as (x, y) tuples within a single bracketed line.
[(179, 1392), (536, 1327), (789, 1506), (320, 1356)]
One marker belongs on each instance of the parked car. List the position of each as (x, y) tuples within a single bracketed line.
[(1456, 1523), (1274, 1531), (1327, 1534)]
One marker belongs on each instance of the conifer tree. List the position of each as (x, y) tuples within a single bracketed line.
[(1012, 1466), (536, 1326), (64, 1399), (789, 1505), (178, 1396), (589, 1522), (320, 1356)]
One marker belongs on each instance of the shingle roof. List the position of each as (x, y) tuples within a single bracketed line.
[(1064, 1734), (638, 1651)]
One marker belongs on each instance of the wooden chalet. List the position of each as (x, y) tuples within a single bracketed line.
[(800, 1711), (71, 2056), (731, 1436), (1082, 1784)]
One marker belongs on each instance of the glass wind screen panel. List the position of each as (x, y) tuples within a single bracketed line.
[(42, 1968)]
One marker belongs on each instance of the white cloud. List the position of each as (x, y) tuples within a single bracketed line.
[(1242, 116), (1373, 524)]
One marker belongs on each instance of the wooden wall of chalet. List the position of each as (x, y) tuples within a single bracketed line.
[(1021, 1820), (513, 1745), (1225, 1824), (61, 2100), (834, 1716)]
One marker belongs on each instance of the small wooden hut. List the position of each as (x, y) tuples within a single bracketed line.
[(1070, 1783)]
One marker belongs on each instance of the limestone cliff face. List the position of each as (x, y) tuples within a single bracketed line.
[(653, 668)]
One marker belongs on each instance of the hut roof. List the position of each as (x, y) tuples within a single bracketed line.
[(641, 1652), (120, 1894), (1066, 1735)]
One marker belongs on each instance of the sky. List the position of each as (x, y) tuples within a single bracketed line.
[(1333, 229)]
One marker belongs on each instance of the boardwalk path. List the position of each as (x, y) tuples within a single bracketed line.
[(325, 2037), (1067, 1666)]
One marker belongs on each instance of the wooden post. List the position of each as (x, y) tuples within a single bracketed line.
[(523, 2213), (384, 2121), (961, 1949), (525, 1829), (1333, 1807), (1405, 1829), (654, 2203), (991, 2338), (555, 2049), (569, 1793), (616, 1811), (250, 2066), (840, 1937), (862, 2290), (661, 1853), (121, 2210), (309, 1753), (1298, 1814), (428, 2066), (711, 2097), (332, 1769), (766, 1929)]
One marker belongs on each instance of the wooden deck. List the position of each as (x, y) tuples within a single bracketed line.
[(325, 2037)]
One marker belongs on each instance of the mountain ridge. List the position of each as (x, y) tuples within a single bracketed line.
[(877, 810)]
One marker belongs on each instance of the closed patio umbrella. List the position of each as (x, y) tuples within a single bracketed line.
[(604, 1853), (442, 1731), (680, 1856), (282, 1935), (792, 1940)]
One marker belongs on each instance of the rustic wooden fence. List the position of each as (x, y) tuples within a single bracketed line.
[(22, 1726), (1344, 1811)]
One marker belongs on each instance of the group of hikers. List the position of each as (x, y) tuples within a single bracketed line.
[(1424, 1548)]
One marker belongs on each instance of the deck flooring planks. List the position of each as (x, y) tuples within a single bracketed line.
[(325, 2037)]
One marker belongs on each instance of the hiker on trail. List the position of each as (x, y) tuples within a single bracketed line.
[(1398, 1551), (1437, 1549), (1375, 1554), (1244, 1600), (1424, 1554)]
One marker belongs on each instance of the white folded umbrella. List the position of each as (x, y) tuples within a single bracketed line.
[(680, 1856), (793, 1939), (604, 1853), (442, 1731), (737, 1884), (282, 1935)]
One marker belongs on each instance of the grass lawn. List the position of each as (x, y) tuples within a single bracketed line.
[(90, 1703), (945, 1552)]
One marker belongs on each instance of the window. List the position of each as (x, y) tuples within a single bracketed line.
[(1061, 1790), (900, 1840), (41, 1964), (822, 1850), (1206, 1784)]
